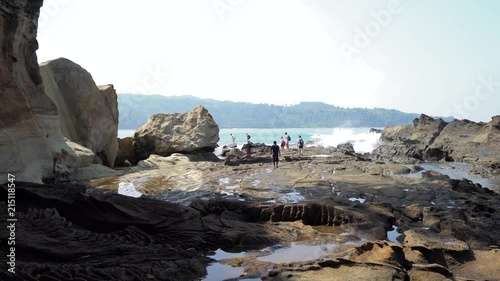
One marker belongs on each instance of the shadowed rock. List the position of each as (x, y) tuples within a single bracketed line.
[(29, 121), (89, 114)]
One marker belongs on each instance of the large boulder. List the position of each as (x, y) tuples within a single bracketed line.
[(30, 139), (165, 134), (88, 114)]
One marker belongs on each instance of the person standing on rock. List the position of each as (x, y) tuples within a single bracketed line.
[(288, 140), (275, 151), (234, 139), (300, 145), (283, 144), (248, 138)]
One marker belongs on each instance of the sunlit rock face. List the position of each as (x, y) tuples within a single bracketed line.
[(88, 113), (165, 134), (30, 138), (435, 140)]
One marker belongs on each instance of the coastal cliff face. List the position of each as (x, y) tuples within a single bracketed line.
[(88, 113), (30, 139), (435, 140)]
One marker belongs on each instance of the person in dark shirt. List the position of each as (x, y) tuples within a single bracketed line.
[(275, 151)]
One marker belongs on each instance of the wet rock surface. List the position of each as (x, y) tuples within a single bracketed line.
[(322, 214), (329, 214)]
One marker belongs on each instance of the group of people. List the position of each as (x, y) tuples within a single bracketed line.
[(285, 142), (276, 150)]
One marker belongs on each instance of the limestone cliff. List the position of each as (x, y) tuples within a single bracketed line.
[(31, 144), (30, 140)]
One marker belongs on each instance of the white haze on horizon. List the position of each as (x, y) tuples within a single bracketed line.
[(287, 51)]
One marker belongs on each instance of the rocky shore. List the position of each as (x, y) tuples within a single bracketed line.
[(163, 206), (339, 215)]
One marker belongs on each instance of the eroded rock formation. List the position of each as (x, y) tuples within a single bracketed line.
[(431, 139), (30, 140), (165, 134), (96, 234), (88, 114)]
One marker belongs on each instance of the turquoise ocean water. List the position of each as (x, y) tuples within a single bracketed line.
[(362, 140)]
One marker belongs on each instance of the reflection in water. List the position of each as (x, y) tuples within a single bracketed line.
[(296, 252), (360, 200), (454, 171), (218, 272), (289, 195), (222, 255), (392, 235)]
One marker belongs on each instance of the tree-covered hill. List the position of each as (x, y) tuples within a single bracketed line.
[(136, 109)]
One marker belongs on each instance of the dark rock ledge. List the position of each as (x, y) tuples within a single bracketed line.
[(67, 233)]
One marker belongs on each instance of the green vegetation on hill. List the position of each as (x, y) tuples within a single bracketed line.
[(136, 109)]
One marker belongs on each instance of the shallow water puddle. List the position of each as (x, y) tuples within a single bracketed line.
[(224, 181), (222, 255), (360, 200), (218, 272), (296, 252), (290, 196), (454, 171), (392, 235)]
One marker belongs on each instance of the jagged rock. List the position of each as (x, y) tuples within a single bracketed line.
[(30, 139), (69, 229), (165, 134), (376, 131), (467, 141), (434, 140), (126, 153), (423, 131), (409, 140), (88, 114), (346, 148)]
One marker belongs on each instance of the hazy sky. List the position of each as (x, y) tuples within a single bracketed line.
[(434, 57)]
